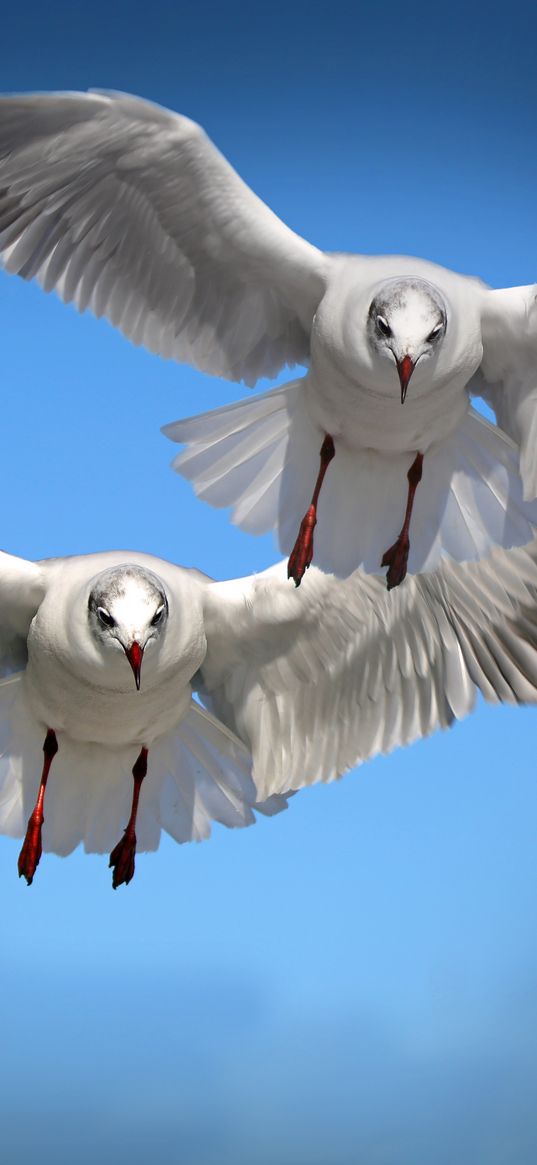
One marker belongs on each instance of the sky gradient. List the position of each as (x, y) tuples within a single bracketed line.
[(355, 980)]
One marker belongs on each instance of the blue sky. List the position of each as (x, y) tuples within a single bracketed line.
[(355, 981)]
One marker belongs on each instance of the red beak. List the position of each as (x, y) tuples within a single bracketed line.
[(405, 368), (135, 654)]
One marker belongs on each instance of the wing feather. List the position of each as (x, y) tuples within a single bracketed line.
[(318, 680), (22, 587), (507, 378), (128, 209)]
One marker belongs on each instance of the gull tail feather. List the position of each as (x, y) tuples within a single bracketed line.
[(198, 773), (261, 457), (236, 455)]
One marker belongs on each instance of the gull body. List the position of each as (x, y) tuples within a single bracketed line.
[(98, 654), (352, 386), (80, 682), (128, 210), (296, 686)]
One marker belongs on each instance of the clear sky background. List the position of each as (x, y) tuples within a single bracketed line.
[(354, 982)]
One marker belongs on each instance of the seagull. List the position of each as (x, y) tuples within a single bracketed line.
[(97, 654), (101, 654), (375, 456)]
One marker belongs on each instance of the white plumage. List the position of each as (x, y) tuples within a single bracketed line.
[(129, 210), (84, 625), (304, 684), (318, 680), (261, 457)]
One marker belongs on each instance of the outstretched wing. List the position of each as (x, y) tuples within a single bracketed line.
[(22, 588), (320, 679), (507, 378), (128, 209)]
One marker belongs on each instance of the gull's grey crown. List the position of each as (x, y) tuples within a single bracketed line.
[(401, 304), (394, 295), (125, 596), (112, 584)]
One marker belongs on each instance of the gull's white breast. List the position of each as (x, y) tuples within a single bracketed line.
[(77, 686), (357, 398), (67, 703), (362, 418)]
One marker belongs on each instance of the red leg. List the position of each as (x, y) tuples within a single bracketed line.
[(122, 857), (396, 558), (31, 847), (302, 553)]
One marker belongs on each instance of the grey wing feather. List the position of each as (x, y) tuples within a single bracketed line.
[(128, 209), (507, 378), (22, 588), (319, 680)]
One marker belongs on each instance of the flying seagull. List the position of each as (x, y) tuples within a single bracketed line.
[(128, 209), (97, 654), (100, 655)]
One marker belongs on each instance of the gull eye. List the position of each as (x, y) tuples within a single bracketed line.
[(157, 617), (435, 333), (383, 326), (106, 617)]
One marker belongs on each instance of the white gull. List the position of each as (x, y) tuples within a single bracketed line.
[(128, 209), (298, 687)]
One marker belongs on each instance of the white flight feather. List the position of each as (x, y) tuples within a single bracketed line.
[(320, 679), (128, 209)]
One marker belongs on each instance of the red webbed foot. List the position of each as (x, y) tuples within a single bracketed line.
[(122, 856), (396, 559), (302, 553), (122, 859), (31, 848)]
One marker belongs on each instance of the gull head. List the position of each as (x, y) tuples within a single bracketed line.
[(406, 323), (127, 610)]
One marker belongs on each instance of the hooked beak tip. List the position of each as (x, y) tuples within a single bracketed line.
[(135, 654), (405, 368)]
